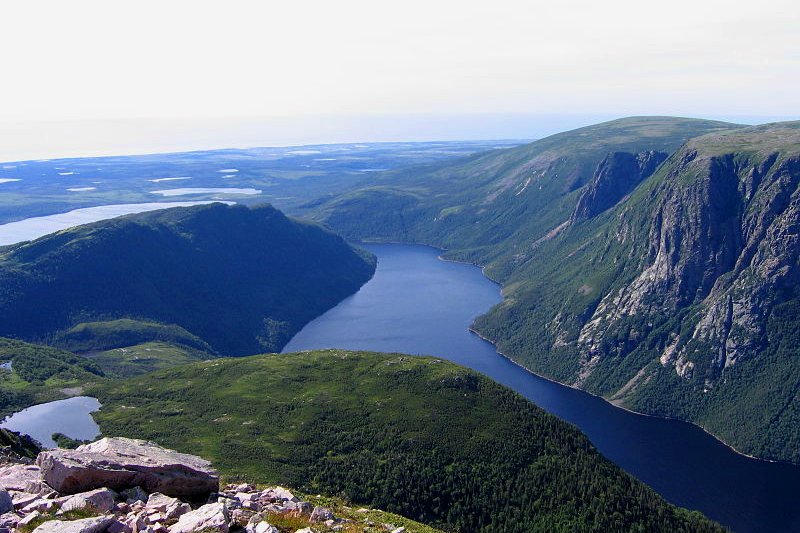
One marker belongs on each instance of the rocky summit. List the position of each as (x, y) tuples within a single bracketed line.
[(120, 463), (119, 485)]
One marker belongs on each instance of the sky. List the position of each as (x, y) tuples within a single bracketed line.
[(94, 75)]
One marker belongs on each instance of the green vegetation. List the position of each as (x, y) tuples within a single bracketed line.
[(95, 336), (142, 358), (416, 436), (708, 207), (15, 445), (64, 441), (75, 514), (174, 268), (363, 520), (39, 374), (491, 208)]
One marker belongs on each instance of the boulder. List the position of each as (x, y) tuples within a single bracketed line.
[(96, 524), (280, 493), (134, 494), (23, 499), (262, 527), (29, 518), (119, 463), (170, 508), (100, 499), (6, 503), (23, 478), (211, 516), (321, 514), (120, 526)]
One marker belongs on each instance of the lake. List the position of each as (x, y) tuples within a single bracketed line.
[(71, 417), (32, 228), (419, 304)]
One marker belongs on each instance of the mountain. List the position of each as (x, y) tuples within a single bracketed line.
[(243, 280), (669, 286), (490, 207), (690, 292), (416, 436)]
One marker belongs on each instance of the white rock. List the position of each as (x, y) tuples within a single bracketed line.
[(29, 518), (119, 463), (100, 499), (264, 527), (24, 478), (212, 516), (321, 514), (96, 524)]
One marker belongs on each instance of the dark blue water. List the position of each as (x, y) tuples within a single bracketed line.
[(420, 305)]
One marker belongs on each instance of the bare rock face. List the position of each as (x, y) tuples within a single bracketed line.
[(97, 524), (212, 516), (21, 477), (99, 499), (616, 175), (723, 237), (119, 463)]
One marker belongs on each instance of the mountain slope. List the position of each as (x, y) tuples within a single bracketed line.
[(698, 318), (487, 206), (413, 435), (242, 280), (672, 293)]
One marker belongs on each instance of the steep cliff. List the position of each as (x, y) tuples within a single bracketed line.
[(678, 303), (669, 286)]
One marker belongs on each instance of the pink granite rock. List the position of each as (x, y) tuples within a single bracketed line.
[(119, 463)]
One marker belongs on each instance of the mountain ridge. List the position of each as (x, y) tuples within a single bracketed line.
[(558, 319), (170, 267)]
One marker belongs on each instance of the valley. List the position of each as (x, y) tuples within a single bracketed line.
[(662, 288), (558, 222)]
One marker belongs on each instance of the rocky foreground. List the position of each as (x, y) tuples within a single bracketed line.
[(118, 485)]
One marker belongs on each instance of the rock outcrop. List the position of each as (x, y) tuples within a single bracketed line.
[(723, 236), (616, 176), (131, 471), (120, 463)]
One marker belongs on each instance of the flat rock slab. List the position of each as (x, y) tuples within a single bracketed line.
[(23, 478), (119, 463), (96, 524)]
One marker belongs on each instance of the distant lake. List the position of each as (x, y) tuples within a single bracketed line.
[(32, 228), (72, 417), (418, 304), (208, 190)]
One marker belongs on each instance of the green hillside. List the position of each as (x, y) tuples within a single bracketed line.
[(492, 207), (34, 374), (417, 436), (679, 299), (243, 280)]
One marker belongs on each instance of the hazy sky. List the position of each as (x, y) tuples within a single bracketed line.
[(279, 60)]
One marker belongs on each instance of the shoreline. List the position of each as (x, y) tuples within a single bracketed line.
[(528, 370), (631, 411)]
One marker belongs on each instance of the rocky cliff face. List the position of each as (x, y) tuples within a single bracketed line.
[(723, 238), (683, 298), (616, 176)]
